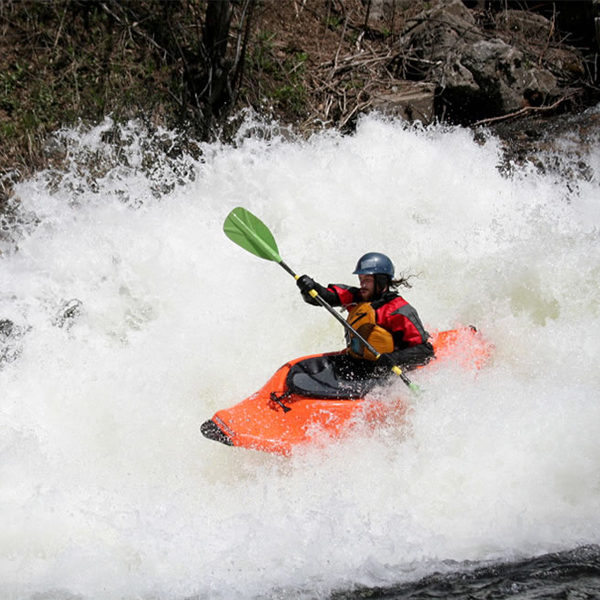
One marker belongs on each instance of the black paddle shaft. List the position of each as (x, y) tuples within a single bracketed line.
[(249, 232), (351, 329), (335, 313)]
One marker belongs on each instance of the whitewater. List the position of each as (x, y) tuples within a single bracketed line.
[(132, 319)]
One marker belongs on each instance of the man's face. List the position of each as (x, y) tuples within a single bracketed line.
[(367, 287)]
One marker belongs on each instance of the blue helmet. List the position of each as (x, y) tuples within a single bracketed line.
[(374, 263)]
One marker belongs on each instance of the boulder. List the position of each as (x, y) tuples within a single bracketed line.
[(478, 73), (409, 100), (528, 24), (384, 15), (505, 76)]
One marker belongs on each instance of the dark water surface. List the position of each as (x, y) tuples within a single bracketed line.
[(569, 575)]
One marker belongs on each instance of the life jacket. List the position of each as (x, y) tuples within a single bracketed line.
[(362, 318)]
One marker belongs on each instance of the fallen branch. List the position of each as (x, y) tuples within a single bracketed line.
[(524, 111)]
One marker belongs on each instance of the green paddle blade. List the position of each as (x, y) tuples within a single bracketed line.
[(249, 232)]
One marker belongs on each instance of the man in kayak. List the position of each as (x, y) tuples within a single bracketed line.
[(378, 313)]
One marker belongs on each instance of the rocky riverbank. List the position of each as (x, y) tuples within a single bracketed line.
[(307, 63)]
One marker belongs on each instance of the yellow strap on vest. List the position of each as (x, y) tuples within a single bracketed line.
[(362, 318)]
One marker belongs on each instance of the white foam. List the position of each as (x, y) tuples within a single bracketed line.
[(108, 489)]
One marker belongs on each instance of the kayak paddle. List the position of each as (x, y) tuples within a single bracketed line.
[(249, 232)]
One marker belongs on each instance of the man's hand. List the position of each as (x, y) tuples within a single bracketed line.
[(305, 283), (386, 361)]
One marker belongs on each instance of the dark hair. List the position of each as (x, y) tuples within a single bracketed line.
[(402, 281), (383, 281)]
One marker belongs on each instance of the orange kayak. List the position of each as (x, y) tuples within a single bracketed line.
[(315, 395)]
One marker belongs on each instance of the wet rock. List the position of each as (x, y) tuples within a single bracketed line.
[(10, 334), (6, 327), (67, 313), (562, 144)]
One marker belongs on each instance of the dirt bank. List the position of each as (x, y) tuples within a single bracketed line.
[(191, 64)]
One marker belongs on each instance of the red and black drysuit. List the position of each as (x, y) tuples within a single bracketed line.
[(392, 312)]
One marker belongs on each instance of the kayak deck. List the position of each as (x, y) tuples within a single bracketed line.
[(276, 419)]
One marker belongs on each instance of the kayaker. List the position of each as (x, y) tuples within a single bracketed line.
[(408, 346)]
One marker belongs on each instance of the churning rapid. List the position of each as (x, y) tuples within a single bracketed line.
[(128, 318)]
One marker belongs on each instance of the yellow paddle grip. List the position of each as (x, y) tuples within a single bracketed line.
[(312, 293)]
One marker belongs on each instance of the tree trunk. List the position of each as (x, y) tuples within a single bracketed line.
[(215, 36)]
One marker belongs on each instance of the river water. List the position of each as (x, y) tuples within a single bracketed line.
[(128, 318)]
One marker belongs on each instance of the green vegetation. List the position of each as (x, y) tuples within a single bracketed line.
[(185, 64), (68, 61), (278, 75)]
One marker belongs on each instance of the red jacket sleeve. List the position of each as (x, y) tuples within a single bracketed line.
[(402, 320)]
